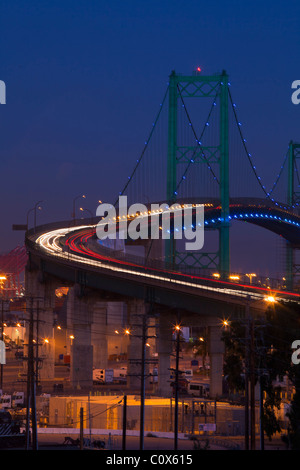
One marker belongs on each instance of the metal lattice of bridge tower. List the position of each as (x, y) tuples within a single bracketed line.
[(293, 199), (199, 86)]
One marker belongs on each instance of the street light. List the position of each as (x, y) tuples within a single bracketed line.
[(34, 208), (82, 209), (74, 200), (178, 330), (2, 280), (251, 275)]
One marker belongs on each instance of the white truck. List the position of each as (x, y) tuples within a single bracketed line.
[(18, 399), (103, 376), (198, 389)]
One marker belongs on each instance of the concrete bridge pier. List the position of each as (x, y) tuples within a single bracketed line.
[(164, 349), (109, 319), (99, 337), (216, 353), (216, 347), (40, 300), (79, 321)]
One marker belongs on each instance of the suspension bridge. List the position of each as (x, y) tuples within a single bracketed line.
[(199, 154), (193, 155)]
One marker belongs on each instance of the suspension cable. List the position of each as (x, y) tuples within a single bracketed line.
[(145, 146), (249, 156)]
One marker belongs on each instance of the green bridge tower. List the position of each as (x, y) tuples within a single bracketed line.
[(199, 86), (293, 198)]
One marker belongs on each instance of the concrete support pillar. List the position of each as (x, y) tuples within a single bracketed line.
[(40, 297), (216, 352), (79, 320), (99, 335), (136, 310), (109, 320), (164, 349)]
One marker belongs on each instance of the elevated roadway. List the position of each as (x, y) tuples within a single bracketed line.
[(74, 254)]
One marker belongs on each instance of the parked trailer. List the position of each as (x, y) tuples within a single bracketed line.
[(102, 376)]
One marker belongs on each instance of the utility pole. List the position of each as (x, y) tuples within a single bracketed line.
[(247, 379), (124, 422), (176, 387), (31, 392), (252, 384), (142, 416), (2, 338), (37, 348), (143, 336), (81, 428), (261, 388)]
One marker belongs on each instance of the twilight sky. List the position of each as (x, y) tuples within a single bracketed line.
[(84, 80)]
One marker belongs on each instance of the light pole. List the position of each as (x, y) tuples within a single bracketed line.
[(82, 209), (177, 328), (74, 200), (2, 280), (34, 208)]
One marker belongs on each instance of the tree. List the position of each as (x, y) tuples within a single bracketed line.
[(274, 335), (234, 359)]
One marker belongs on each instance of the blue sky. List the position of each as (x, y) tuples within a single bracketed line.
[(84, 80)]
